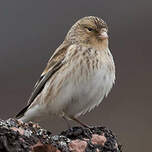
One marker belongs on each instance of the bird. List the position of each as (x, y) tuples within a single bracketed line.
[(77, 77)]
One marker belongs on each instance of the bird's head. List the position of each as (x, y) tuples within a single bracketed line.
[(89, 30)]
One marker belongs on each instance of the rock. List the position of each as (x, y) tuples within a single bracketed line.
[(16, 136)]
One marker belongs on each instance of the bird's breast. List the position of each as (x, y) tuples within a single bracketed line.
[(87, 90), (82, 83)]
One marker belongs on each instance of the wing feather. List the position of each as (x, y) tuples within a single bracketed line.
[(54, 64)]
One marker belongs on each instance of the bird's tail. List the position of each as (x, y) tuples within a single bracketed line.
[(21, 113)]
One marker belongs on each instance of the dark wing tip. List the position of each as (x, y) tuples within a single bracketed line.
[(21, 113)]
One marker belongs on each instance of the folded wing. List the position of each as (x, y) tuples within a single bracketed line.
[(54, 64)]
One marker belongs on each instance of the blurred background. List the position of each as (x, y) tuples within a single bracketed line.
[(30, 31)]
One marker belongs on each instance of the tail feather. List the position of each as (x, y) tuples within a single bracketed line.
[(21, 113)]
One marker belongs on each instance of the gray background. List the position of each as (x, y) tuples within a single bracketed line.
[(31, 30)]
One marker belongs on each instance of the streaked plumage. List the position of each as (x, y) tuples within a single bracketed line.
[(78, 75)]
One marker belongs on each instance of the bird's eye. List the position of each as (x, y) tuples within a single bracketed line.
[(90, 29)]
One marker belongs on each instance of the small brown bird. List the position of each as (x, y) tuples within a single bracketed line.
[(77, 77)]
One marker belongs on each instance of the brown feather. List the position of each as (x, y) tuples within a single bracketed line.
[(53, 65)]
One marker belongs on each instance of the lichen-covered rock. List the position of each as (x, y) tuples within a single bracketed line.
[(99, 139), (16, 136)]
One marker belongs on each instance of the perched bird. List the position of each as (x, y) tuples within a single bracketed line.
[(80, 73)]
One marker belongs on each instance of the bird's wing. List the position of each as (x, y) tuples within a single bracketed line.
[(54, 64)]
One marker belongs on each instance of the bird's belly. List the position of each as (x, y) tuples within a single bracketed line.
[(75, 99)]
